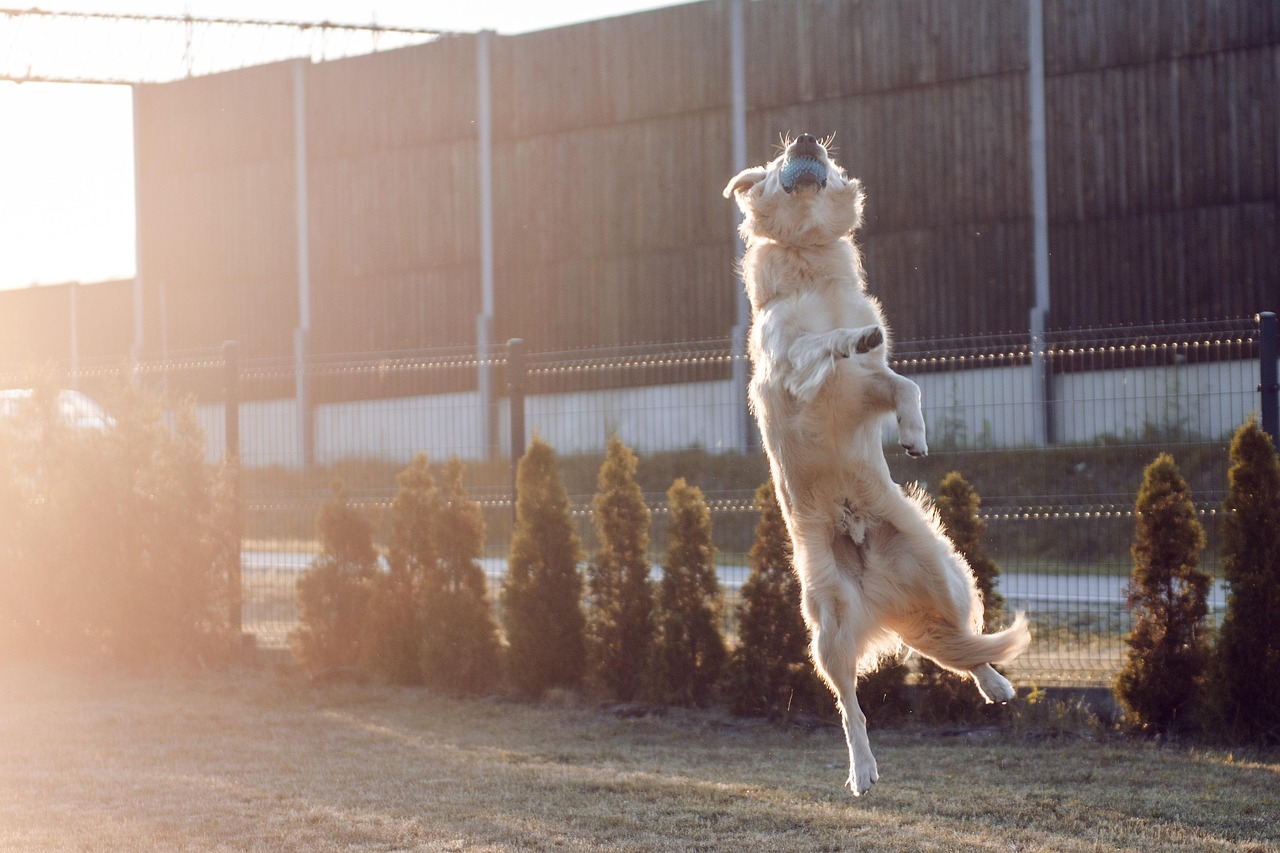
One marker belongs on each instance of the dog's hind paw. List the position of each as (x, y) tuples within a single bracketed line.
[(862, 777), (993, 686)]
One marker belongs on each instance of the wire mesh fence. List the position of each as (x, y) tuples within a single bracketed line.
[(1053, 436)]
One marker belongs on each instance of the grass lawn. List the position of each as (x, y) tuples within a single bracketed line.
[(262, 760)]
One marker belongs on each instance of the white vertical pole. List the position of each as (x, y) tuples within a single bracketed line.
[(1041, 377), (738, 129), (135, 354), (484, 322), (306, 435), (73, 293), (163, 311), (300, 190)]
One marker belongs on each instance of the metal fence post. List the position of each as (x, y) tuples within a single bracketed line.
[(231, 459), (515, 389), (1269, 385)]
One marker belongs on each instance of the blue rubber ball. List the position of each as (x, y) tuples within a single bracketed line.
[(798, 167)]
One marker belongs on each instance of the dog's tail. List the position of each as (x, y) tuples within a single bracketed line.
[(962, 651)]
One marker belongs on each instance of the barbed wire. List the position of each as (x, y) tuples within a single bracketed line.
[(41, 46)]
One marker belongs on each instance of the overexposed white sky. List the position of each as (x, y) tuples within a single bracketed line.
[(66, 150)]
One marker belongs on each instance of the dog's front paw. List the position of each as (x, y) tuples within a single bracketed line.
[(869, 339), (858, 341), (911, 437)]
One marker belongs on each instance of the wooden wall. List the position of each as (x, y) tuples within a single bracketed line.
[(394, 212), (216, 210), (36, 322), (1163, 148), (612, 141)]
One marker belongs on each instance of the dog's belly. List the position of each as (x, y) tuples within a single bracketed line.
[(829, 463)]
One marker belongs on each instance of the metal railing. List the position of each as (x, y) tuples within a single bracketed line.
[(1058, 517)]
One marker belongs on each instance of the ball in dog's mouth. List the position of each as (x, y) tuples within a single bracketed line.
[(802, 170)]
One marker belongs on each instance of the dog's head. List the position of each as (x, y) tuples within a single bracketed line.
[(800, 198)]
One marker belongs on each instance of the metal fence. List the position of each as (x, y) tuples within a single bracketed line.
[(1053, 436)]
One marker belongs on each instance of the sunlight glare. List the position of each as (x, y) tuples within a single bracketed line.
[(66, 168)]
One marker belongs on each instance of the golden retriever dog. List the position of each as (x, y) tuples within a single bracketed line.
[(874, 563)]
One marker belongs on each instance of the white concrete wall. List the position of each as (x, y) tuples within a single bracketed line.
[(988, 408)]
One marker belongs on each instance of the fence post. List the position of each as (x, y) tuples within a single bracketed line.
[(1269, 386), (515, 389), (231, 459), (302, 396)]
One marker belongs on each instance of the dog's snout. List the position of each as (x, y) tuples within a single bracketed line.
[(806, 145)]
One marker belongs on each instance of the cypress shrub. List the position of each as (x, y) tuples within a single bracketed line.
[(542, 593), (334, 593), (460, 647), (690, 603), (946, 696), (620, 622), (115, 539), (1165, 664), (1246, 664), (770, 673), (394, 625)]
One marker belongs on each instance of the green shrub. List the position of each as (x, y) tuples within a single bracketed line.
[(394, 625), (1246, 664), (542, 593), (690, 603), (1161, 677), (770, 672), (620, 623), (115, 540), (334, 593), (882, 693), (946, 696), (460, 648)]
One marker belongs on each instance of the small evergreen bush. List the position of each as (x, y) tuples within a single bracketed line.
[(460, 648), (334, 593), (394, 625), (115, 540), (691, 603), (770, 672), (946, 696), (1246, 664), (1162, 674), (620, 621), (542, 594)]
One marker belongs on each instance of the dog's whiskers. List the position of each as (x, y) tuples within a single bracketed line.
[(785, 140)]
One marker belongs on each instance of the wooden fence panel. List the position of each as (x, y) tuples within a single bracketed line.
[(612, 141)]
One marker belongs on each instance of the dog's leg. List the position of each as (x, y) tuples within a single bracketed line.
[(836, 654), (945, 623), (813, 357), (906, 405), (898, 394), (834, 615), (993, 686), (953, 649)]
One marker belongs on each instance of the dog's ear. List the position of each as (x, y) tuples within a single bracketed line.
[(745, 180)]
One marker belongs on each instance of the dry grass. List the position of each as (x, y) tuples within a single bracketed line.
[(263, 761)]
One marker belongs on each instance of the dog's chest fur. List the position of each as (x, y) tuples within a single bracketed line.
[(799, 291), (825, 278)]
